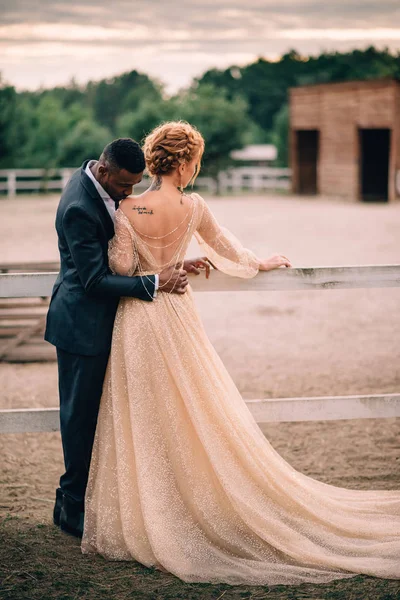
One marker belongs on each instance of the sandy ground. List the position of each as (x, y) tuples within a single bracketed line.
[(274, 344)]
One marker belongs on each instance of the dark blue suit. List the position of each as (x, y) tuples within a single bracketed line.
[(80, 320)]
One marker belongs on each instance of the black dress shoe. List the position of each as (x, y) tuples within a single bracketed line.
[(57, 507), (71, 517)]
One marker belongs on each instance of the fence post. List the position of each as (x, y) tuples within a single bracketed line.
[(12, 184), (65, 173), (223, 182)]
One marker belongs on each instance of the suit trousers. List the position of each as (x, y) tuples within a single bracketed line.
[(80, 382)]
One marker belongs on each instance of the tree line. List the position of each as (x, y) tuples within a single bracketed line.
[(61, 127)]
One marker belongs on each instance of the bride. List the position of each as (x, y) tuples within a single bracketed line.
[(182, 479)]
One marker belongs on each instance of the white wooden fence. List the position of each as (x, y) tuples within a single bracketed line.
[(35, 180), (256, 179), (264, 411), (237, 179)]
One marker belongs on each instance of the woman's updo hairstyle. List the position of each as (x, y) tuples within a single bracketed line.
[(170, 145)]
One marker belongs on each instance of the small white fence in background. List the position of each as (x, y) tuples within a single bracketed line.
[(256, 179), (24, 285), (236, 179), (33, 180)]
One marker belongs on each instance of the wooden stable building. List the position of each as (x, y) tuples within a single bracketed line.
[(345, 139)]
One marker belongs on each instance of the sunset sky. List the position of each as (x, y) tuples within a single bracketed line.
[(47, 42)]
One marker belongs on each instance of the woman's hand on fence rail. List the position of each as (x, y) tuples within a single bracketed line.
[(274, 262)]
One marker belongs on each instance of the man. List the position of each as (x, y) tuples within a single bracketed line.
[(83, 307)]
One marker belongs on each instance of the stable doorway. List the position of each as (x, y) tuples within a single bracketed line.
[(374, 164), (307, 161)]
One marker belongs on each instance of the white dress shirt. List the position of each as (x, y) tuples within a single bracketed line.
[(110, 206), (108, 201)]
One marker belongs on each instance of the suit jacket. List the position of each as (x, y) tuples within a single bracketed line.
[(86, 294)]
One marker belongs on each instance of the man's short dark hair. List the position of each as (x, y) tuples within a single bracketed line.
[(124, 153)]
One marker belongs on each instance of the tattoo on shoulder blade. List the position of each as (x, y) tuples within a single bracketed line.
[(156, 184), (142, 210)]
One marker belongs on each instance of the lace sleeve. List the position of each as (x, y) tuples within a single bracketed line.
[(222, 248), (122, 256)]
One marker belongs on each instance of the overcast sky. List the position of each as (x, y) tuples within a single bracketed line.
[(47, 42)]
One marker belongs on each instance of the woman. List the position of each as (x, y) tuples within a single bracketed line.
[(182, 478)]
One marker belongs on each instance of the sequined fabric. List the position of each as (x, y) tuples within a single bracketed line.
[(182, 478)]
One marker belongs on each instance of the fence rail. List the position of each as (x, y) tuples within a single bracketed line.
[(234, 179), (24, 285), (323, 408), (36, 180), (256, 179)]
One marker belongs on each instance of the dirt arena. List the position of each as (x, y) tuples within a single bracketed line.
[(276, 344)]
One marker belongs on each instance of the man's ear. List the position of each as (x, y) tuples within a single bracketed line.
[(102, 170)]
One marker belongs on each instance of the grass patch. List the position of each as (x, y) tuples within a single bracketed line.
[(38, 562)]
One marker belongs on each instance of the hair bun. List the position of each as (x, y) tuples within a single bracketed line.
[(171, 144)]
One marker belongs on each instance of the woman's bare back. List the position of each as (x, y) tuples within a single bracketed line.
[(161, 222)]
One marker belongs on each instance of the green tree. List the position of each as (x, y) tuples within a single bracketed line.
[(8, 112), (222, 121), (86, 140), (150, 113), (23, 129), (50, 125), (112, 97)]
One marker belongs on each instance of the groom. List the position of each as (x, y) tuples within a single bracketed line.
[(83, 307)]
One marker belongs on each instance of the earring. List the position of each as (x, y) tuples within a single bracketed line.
[(180, 188)]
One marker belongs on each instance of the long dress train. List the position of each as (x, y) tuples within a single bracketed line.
[(182, 478)]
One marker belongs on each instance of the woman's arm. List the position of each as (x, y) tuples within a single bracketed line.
[(226, 252), (122, 255)]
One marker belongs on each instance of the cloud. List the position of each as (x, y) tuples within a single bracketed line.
[(376, 34), (174, 15), (50, 41)]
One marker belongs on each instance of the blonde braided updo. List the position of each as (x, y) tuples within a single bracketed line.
[(170, 145)]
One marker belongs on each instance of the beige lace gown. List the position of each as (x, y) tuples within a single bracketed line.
[(182, 479)]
